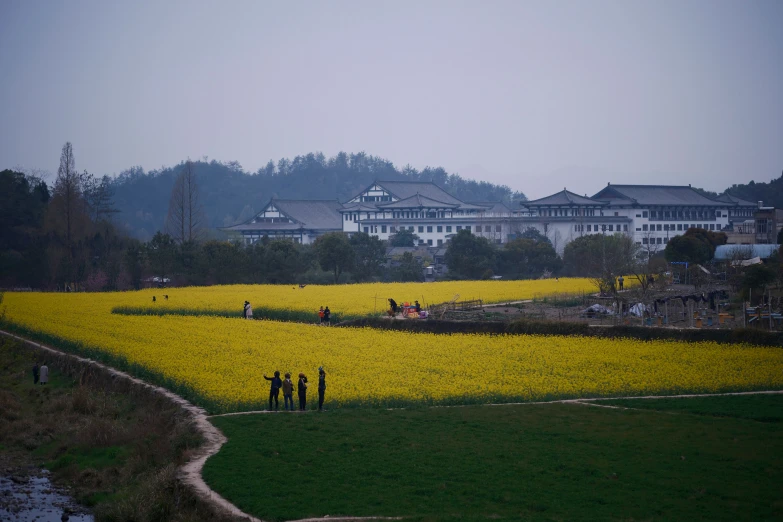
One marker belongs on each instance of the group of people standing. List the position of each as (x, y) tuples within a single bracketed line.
[(325, 316), (40, 374), (287, 386), (394, 308)]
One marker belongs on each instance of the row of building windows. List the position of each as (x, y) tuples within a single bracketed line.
[(566, 212), (373, 229), (654, 241), (679, 226), (683, 214), (431, 214), (599, 228)]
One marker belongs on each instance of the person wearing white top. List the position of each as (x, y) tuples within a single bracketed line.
[(44, 374)]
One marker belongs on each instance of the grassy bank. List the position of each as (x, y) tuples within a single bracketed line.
[(116, 447), (534, 462)]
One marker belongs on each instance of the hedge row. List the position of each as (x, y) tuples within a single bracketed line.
[(273, 314), (740, 335)]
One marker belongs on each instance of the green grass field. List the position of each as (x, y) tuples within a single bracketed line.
[(528, 462), (762, 408)]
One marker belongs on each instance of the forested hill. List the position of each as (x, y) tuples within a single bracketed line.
[(229, 194), (770, 193)]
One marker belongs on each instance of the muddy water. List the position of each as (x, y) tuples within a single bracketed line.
[(32, 498)]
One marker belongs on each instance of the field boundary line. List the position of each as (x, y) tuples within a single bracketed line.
[(586, 401), (190, 472)]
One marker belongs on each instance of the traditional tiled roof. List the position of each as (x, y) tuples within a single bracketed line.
[(316, 214), (266, 226), (417, 201), (563, 198), (728, 198), (655, 195), (406, 189), (496, 207), (403, 190), (353, 207), (322, 213)]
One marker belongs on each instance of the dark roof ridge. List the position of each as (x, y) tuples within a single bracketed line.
[(304, 200), (426, 183), (568, 195), (651, 186), (417, 196)]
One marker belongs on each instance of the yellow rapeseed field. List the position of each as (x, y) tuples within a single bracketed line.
[(349, 300), (221, 360)]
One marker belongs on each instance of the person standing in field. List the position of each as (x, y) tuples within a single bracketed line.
[(288, 392), (274, 390), (36, 373), (327, 316), (321, 315), (44, 374), (620, 281), (249, 313), (321, 388), (244, 310), (302, 389)]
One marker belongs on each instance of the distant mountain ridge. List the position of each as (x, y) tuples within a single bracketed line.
[(770, 193), (230, 195)]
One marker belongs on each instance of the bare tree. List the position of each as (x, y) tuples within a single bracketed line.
[(186, 220), (67, 216), (68, 189)]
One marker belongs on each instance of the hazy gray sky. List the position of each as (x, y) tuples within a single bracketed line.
[(537, 95)]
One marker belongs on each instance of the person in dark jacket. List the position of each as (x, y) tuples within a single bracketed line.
[(36, 373), (417, 306), (288, 392), (327, 316), (274, 391), (302, 388), (321, 388)]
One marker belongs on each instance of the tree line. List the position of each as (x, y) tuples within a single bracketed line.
[(232, 195), (70, 237)]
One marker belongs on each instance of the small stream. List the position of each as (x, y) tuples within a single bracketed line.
[(33, 498)]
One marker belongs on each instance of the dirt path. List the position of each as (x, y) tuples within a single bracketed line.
[(591, 401), (190, 473)]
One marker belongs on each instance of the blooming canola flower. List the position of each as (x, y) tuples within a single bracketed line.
[(221, 360)]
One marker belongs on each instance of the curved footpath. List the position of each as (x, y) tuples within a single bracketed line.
[(190, 473)]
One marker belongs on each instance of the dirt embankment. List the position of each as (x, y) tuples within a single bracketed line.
[(116, 444)]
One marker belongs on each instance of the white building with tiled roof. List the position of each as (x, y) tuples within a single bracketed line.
[(564, 216), (301, 221), (423, 208), (650, 214), (657, 213)]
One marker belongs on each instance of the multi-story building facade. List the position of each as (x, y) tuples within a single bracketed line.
[(650, 214), (660, 212), (434, 215)]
